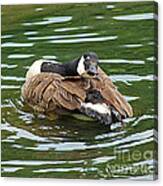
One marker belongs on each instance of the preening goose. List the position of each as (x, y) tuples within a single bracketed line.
[(79, 85)]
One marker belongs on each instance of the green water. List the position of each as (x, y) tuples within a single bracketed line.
[(122, 34)]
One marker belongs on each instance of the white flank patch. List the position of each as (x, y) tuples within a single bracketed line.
[(81, 68), (101, 108), (34, 69)]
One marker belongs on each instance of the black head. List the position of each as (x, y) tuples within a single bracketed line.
[(94, 96), (88, 65)]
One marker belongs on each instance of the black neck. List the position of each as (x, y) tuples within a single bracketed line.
[(71, 68), (66, 69)]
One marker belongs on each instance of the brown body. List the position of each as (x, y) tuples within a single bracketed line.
[(47, 92)]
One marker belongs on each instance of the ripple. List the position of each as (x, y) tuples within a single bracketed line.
[(130, 78), (11, 44), (39, 162), (26, 117), (132, 45), (49, 20), (8, 66), (62, 36), (6, 36), (30, 33), (147, 136), (21, 133), (144, 117), (109, 135), (39, 9), (20, 56), (11, 169), (12, 78), (134, 17), (17, 146), (5, 105), (99, 17), (121, 61), (134, 144), (71, 28), (151, 43), (10, 87), (110, 6), (70, 169), (152, 58), (50, 57), (83, 40), (103, 159), (137, 138), (131, 98), (146, 162), (115, 126), (65, 146), (144, 177), (132, 167)]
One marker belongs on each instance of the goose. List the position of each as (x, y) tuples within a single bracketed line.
[(80, 85)]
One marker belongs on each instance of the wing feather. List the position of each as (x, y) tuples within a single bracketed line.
[(111, 94), (49, 91)]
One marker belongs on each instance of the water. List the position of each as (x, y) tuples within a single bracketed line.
[(122, 34)]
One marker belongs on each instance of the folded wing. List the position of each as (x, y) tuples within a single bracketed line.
[(48, 91), (111, 95)]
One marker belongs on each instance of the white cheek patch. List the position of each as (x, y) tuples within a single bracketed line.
[(101, 108), (80, 67)]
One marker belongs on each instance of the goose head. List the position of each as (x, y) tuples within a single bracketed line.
[(87, 66)]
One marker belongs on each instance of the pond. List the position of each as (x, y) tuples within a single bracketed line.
[(125, 39)]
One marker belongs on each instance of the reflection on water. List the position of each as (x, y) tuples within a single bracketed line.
[(136, 17), (110, 6), (129, 78), (71, 28), (19, 56), (152, 58), (99, 17), (49, 20), (62, 36), (30, 33), (12, 78), (133, 45), (83, 40), (119, 61), (39, 9), (73, 146), (6, 36), (8, 66), (11, 44), (49, 57), (10, 87), (11, 169)]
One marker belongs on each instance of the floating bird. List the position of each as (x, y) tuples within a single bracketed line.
[(80, 85)]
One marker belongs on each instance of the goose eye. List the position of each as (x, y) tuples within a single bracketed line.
[(88, 58)]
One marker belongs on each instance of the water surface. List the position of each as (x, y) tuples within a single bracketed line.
[(122, 34)]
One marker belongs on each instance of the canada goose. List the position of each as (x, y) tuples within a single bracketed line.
[(79, 85)]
